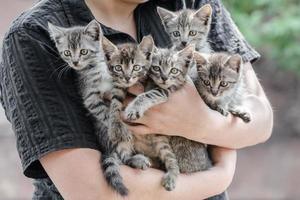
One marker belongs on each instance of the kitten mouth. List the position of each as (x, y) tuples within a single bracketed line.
[(77, 67)]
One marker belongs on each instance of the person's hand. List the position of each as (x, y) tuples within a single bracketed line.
[(183, 114)]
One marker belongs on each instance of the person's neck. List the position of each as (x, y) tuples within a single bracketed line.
[(116, 14)]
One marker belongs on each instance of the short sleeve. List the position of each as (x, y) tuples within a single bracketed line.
[(41, 102), (224, 34)]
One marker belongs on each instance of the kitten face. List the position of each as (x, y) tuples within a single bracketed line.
[(78, 46), (187, 27), (219, 73), (169, 69), (128, 63)]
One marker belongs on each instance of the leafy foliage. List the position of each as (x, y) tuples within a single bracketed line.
[(271, 25)]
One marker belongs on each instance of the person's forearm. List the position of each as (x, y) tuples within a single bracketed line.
[(232, 132), (77, 175)]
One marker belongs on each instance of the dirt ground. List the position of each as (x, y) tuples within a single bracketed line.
[(268, 171)]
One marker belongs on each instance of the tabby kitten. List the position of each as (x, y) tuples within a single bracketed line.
[(169, 73), (128, 64), (80, 48), (188, 27), (221, 83)]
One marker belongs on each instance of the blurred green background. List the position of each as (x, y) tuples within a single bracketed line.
[(268, 171), (273, 26)]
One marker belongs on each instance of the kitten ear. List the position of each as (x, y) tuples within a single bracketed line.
[(147, 46), (187, 53), (108, 47), (204, 13), (165, 15), (200, 60), (94, 30), (55, 32), (235, 62)]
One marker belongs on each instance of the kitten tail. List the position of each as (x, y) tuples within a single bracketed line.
[(111, 171)]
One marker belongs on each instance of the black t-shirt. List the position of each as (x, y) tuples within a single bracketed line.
[(45, 108)]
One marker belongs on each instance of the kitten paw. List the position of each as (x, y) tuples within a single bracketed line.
[(139, 161), (222, 111), (119, 132), (169, 181), (132, 113), (245, 116)]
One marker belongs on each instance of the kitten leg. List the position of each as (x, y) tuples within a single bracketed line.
[(145, 101), (241, 113), (96, 106), (125, 149), (139, 161), (167, 156), (219, 108), (117, 129)]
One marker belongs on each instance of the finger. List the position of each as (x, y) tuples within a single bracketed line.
[(139, 129), (136, 89)]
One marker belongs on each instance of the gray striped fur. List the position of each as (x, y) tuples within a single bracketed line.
[(94, 80), (128, 64), (95, 86), (220, 83), (188, 27), (169, 72)]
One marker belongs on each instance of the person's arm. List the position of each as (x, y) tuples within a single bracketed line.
[(77, 175), (185, 114)]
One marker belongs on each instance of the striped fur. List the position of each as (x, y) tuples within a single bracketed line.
[(188, 27), (95, 86), (169, 73), (128, 64), (94, 81), (220, 83)]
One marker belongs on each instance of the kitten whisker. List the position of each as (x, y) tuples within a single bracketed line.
[(59, 68), (63, 71)]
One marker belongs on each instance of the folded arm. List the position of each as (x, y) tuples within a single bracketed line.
[(77, 175)]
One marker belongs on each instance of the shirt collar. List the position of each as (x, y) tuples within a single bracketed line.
[(79, 14)]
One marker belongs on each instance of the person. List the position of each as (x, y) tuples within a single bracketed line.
[(55, 138)]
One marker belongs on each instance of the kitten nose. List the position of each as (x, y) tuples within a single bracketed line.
[(184, 43), (164, 78), (127, 79), (214, 92), (75, 63)]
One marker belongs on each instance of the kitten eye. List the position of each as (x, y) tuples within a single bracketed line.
[(192, 33), (84, 51), (206, 82), (156, 68), (118, 68), (137, 68), (174, 71), (176, 34), (224, 84), (67, 53)]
